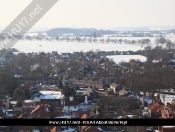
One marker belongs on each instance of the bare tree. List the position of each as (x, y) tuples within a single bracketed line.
[(120, 41), (90, 40), (162, 40)]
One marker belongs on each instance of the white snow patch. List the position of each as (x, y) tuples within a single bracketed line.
[(35, 130), (50, 95), (125, 58)]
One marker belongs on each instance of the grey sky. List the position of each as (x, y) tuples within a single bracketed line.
[(97, 13)]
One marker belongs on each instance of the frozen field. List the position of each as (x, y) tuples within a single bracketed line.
[(49, 46), (70, 47), (125, 58)]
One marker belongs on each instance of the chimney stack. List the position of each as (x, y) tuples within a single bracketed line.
[(71, 98), (86, 100)]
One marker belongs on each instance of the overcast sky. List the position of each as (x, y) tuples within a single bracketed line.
[(96, 13)]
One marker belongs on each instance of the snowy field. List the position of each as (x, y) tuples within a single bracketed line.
[(125, 58), (68, 47)]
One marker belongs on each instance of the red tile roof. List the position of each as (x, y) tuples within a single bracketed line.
[(155, 107), (79, 114), (84, 116)]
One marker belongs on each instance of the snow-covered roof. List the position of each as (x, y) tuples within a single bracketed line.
[(47, 110), (69, 130), (7, 114), (27, 101), (147, 99), (50, 95), (168, 126), (36, 130), (66, 116), (50, 92)]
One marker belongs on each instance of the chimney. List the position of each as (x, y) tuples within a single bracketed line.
[(71, 98), (86, 100)]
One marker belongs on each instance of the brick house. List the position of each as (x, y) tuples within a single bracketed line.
[(155, 110), (40, 111), (5, 100), (166, 129)]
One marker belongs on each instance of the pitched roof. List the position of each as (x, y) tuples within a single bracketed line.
[(84, 116), (155, 107), (79, 114), (40, 111)]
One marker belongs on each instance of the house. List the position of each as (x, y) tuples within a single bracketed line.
[(70, 105), (155, 110), (88, 91), (5, 100), (66, 82), (123, 92), (166, 129), (78, 104), (113, 87), (168, 111), (56, 103), (40, 111), (4, 113)]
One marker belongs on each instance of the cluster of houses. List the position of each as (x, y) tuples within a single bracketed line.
[(77, 107), (50, 104)]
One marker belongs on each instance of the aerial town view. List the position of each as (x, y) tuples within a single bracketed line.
[(91, 59)]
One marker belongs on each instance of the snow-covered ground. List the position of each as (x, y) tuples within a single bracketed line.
[(61, 46), (70, 47), (125, 58)]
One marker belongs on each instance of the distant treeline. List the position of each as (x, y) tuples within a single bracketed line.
[(88, 32)]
